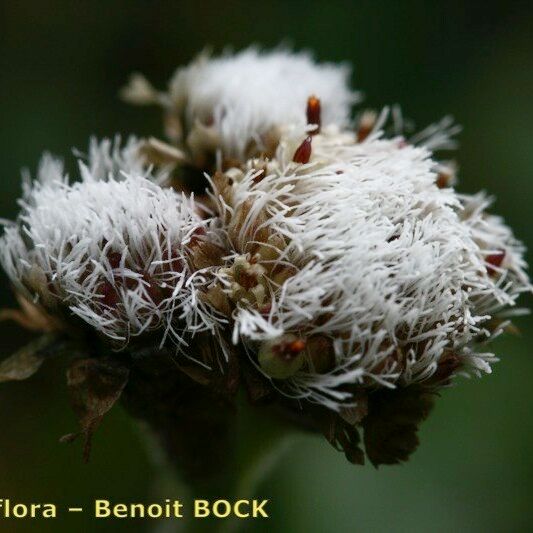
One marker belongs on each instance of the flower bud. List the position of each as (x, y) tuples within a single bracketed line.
[(281, 358), (366, 124), (313, 112), (303, 152)]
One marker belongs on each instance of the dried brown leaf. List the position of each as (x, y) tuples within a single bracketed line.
[(342, 436), (26, 361), (95, 385), (390, 428), (31, 316), (160, 153)]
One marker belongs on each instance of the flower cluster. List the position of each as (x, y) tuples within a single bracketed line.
[(331, 265), (113, 249), (238, 103), (357, 252)]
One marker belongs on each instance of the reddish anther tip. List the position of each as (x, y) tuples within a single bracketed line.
[(296, 346), (443, 179), (362, 134), (303, 152), (313, 112), (494, 261)]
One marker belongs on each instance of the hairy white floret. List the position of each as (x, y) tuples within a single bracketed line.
[(390, 267), (113, 247), (233, 100)]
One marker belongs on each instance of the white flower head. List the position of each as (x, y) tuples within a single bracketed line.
[(237, 102), (351, 259), (114, 248), (335, 255)]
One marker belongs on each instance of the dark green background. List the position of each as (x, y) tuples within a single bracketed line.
[(61, 64)]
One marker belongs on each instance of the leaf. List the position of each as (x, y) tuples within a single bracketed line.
[(31, 316), (390, 428), (95, 385), (26, 361), (344, 437), (354, 414), (347, 437)]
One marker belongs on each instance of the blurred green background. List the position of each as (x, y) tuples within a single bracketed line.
[(61, 65)]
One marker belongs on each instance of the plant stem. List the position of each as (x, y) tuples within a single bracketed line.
[(221, 447)]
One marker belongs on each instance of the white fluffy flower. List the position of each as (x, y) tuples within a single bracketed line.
[(113, 248), (235, 101), (359, 246)]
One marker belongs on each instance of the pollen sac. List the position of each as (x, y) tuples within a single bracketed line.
[(303, 152), (366, 124), (446, 176), (494, 261), (313, 112), (281, 358), (247, 127)]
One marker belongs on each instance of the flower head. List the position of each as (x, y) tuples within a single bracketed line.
[(237, 102), (351, 278), (114, 248), (358, 252)]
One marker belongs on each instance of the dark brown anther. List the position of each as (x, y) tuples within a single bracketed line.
[(445, 178), (366, 125), (303, 152), (313, 113), (259, 176), (362, 134), (494, 261), (442, 180)]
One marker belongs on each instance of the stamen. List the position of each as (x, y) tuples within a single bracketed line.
[(303, 152), (313, 113), (366, 124)]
